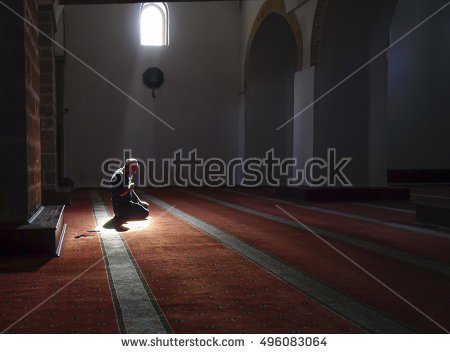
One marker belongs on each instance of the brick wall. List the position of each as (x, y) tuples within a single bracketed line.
[(48, 98), (32, 105), (20, 179)]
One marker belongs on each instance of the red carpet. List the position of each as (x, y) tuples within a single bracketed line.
[(271, 193), (304, 251), (85, 306), (408, 241), (202, 286), (380, 214)]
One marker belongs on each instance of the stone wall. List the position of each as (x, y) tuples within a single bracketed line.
[(48, 98), (20, 177), (32, 105)]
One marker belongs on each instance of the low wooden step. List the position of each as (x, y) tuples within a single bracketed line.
[(42, 236)]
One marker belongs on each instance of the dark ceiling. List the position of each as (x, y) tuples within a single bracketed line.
[(80, 2)]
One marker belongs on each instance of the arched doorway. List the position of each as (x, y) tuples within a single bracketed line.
[(269, 99)]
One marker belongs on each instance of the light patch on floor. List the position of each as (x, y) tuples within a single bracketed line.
[(105, 225)]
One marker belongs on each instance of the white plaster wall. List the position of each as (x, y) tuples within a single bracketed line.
[(419, 87), (199, 98), (351, 117)]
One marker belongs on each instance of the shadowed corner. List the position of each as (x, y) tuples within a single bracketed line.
[(22, 264), (116, 225)]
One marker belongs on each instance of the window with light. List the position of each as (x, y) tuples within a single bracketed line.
[(154, 24)]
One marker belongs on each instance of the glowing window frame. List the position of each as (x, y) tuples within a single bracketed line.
[(164, 11)]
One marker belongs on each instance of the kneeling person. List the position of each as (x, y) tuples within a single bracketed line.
[(126, 203)]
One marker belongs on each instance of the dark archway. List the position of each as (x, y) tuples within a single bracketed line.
[(270, 88)]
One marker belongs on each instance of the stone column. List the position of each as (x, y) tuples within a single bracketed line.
[(48, 98), (20, 148)]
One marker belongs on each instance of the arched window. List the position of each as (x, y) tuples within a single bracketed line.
[(154, 24)]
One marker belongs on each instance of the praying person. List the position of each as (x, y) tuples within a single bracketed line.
[(126, 203)]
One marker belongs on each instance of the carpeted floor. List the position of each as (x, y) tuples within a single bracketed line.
[(199, 264), (84, 305)]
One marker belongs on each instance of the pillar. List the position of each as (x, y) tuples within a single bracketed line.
[(20, 148)]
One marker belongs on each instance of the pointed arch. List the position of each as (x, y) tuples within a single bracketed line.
[(278, 7)]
